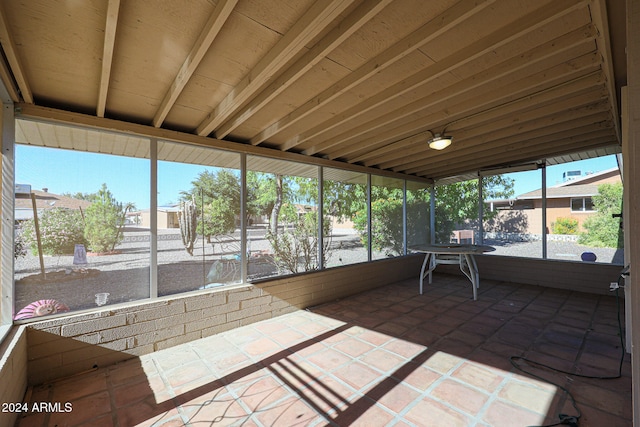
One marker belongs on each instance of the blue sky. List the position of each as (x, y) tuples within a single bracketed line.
[(64, 171), (531, 180)]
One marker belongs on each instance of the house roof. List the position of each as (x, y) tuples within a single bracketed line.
[(46, 200), (339, 82), (585, 190), (590, 177)]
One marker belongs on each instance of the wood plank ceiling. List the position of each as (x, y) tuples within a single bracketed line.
[(362, 82)]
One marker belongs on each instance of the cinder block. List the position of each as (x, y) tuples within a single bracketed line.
[(206, 323), (182, 318), (89, 326), (202, 301), (263, 300), (127, 331), (223, 327), (244, 294), (180, 339), (158, 311), (243, 313), (253, 319)]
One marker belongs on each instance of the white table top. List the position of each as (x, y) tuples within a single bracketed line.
[(452, 249)]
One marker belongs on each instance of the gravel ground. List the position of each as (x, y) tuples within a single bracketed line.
[(125, 275)]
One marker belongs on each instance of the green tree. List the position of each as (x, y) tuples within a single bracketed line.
[(60, 230), (457, 203), (602, 229), (104, 220), (217, 198)]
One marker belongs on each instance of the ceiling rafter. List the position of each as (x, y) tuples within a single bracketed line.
[(312, 23), (7, 83), (337, 36), (508, 118), (208, 34), (543, 139), (110, 27), (519, 134), (588, 141), (604, 43), (592, 139), (491, 42), (586, 84), (437, 26), (17, 69), (500, 146), (488, 96)]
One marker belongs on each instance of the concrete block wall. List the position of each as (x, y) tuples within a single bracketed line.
[(574, 276), (67, 345), (13, 373)]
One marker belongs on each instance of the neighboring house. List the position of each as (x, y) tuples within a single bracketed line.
[(569, 199), (44, 201), (167, 217)]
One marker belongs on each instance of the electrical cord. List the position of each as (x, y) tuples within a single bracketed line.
[(573, 420)]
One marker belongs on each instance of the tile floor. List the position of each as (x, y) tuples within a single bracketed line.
[(384, 357)]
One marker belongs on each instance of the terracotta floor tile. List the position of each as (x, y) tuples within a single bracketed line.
[(383, 360), (502, 414), (460, 396), (428, 412), (525, 395), (364, 413), (357, 375), (291, 413), (198, 371), (398, 397), (327, 395), (329, 359), (483, 377), (354, 347), (416, 360)]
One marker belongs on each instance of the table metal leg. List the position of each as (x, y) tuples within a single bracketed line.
[(429, 265)]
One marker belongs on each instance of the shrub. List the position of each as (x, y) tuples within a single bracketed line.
[(60, 230), (602, 229), (565, 226), (104, 219), (19, 247)]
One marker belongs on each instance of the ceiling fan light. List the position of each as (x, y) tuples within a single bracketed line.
[(440, 142)]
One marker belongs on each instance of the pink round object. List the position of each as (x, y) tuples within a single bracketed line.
[(41, 308)]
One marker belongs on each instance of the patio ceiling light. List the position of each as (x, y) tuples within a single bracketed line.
[(440, 142)]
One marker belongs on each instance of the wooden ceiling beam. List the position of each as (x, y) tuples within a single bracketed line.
[(202, 44), (589, 86), (15, 64), (313, 22), (487, 84), (599, 16), (563, 110), (497, 94), (476, 146), (7, 83), (472, 147), (110, 27), (352, 23), (436, 27), (508, 145), (491, 42)]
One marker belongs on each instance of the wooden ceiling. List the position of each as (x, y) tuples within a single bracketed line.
[(359, 82)]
